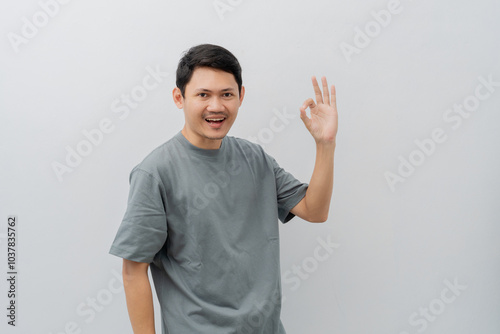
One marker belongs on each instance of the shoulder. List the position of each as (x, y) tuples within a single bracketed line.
[(155, 161), (245, 145), (252, 152)]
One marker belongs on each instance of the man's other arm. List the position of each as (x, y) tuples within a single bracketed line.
[(139, 296)]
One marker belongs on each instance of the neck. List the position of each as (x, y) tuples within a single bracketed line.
[(205, 143)]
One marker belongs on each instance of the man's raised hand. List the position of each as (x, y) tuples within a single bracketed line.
[(324, 118)]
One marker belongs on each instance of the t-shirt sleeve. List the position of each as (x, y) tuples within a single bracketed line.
[(289, 191), (143, 230)]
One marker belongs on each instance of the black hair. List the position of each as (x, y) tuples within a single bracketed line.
[(206, 55)]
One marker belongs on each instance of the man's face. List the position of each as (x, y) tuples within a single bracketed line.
[(210, 95)]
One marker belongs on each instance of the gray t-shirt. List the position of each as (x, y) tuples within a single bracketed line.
[(207, 222)]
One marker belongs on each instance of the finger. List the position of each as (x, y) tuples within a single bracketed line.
[(326, 94), (317, 91), (309, 103), (334, 97)]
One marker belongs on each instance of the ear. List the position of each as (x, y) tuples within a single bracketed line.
[(242, 94), (178, 99)]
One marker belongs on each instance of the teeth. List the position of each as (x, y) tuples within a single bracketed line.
[(215, 119)]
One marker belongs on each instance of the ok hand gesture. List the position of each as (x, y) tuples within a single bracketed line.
[(324, 118)]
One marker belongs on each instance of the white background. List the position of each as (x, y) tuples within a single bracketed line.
[(396, 247)]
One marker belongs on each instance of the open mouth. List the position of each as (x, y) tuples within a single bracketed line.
[(215, 122)]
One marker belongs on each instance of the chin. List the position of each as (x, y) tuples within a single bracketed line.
[(216, 135)]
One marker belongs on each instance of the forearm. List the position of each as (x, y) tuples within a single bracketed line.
[(139, 302), (319, 192)]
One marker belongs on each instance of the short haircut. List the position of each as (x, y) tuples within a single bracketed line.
[(206, 55)]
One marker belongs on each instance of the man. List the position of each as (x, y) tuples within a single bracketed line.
[(203, 209)]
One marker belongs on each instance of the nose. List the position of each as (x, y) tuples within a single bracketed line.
[(215, 104)]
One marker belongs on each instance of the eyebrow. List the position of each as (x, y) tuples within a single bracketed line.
[(209, 91)]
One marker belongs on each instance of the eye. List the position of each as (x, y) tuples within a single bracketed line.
[(202, 95), (228, 94)]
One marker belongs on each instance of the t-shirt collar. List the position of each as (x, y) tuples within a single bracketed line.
[(200, 151)]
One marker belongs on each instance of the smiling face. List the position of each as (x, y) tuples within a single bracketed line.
[(211, 102)]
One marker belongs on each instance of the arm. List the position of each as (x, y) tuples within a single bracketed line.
[(139, 296), (315, 205), (322, 125)]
